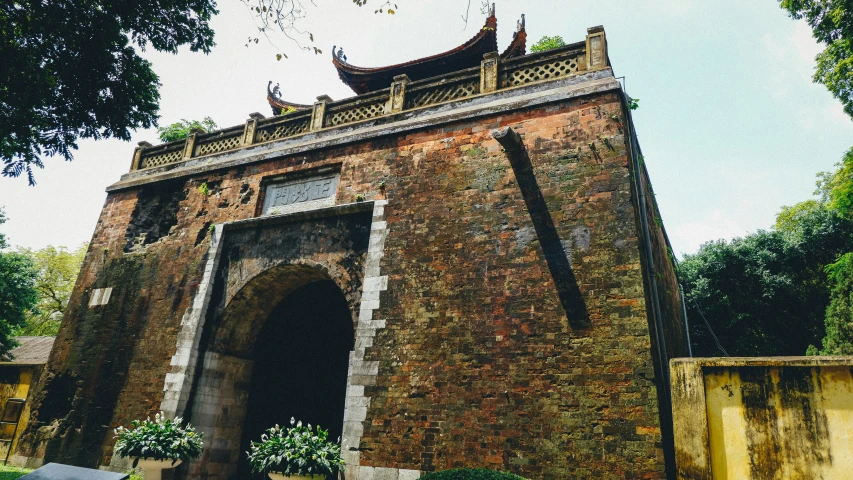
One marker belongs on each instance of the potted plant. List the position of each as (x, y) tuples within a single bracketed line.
[(297, 452), (158, 444)]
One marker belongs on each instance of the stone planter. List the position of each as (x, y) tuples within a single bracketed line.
[(154, 468), (280, 476)]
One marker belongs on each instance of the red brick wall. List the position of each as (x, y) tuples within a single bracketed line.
[(479, 364)]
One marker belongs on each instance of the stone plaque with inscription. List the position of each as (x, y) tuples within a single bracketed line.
[(299, 195)]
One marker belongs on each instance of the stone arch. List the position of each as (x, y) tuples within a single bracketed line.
[(254, 268), (247, 310)]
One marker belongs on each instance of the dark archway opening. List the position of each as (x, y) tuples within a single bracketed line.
[(300, 367)]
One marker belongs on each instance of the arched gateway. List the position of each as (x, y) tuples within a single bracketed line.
[(274, 337)]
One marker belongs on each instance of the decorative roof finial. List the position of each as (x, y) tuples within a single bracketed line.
[(340, 54), (492, 11), (275, 92), (521, 24)]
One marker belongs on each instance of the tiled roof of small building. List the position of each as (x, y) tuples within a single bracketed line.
[(31, 351)]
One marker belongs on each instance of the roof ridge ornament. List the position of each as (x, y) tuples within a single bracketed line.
[(518, 46), (279, 104), (275, 92), (492, 10), (340, 54)]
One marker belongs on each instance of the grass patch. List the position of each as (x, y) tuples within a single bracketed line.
[(12, 473)]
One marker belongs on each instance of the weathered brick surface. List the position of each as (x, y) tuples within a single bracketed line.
[(487, 371), (478, 364)]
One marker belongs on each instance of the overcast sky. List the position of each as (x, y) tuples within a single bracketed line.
[(730, 123)]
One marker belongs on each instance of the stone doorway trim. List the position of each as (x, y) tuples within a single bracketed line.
[(179, 381)]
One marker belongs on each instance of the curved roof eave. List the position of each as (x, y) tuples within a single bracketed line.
[(363, 80)]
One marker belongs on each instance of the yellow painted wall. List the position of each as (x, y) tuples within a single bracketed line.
[(783, 418), (15, 382)]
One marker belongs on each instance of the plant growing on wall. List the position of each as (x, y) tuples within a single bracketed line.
[(548, 43), (158, 439), (182, 129), (288, 109), (298, 450)]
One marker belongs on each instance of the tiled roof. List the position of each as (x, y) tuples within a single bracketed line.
[(467, 55), (31, 351)]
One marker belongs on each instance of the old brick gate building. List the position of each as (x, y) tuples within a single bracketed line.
[(463, 265)]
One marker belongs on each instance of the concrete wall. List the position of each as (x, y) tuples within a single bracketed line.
[(761, 418), (15, 382)]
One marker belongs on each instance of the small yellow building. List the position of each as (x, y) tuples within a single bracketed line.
[(19, 371)]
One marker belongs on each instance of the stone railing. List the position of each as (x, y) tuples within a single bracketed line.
[(548, 65), (492, 75), (456, 86)]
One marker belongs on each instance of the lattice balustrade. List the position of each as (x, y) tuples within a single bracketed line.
[(535, 73), (454, 86), (356, 113), (442, 93), (282, 130), (162, 158), (217, 145)]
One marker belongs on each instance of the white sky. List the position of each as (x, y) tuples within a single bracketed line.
[(730, 123)]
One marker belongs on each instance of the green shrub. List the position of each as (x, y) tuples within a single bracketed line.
[(297, 450), (180, 130), (470, 474), (161, 439), (548, 43)]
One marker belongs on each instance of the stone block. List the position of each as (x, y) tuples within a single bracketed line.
[(381, 473), (409, 474)]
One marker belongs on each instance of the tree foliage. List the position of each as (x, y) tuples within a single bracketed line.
[(18, 294), (70, 70), (766, 293), (57, 272), (836, 188), (832, 24), (548, 43), (779, 292), (839, 312), (182, 129)]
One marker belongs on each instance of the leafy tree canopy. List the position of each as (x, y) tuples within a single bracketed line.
[(18, 294), (779, 292), (836, 188), (548, 43), (70, 70), (182, 129), (3, 243), (764, 294), (57, 272), (832, 25), (839, 312)]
